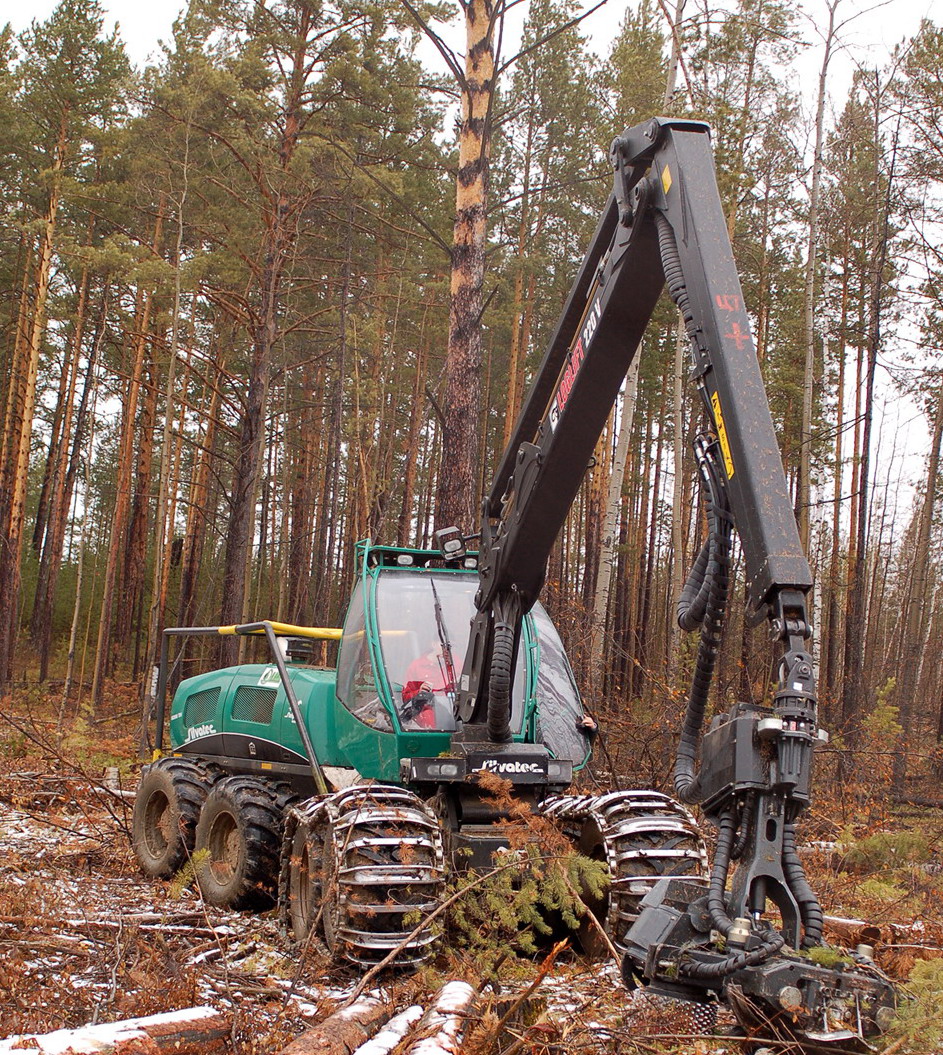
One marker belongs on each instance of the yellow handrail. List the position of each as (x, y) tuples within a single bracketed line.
[(317, 633)]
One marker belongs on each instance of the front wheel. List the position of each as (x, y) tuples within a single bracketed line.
[(642, 836)]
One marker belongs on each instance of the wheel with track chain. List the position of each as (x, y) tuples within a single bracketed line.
[(170, 796), (367, 864), (642, 836), (240, 835)]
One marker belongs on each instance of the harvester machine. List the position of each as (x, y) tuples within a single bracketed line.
[(347, 795)]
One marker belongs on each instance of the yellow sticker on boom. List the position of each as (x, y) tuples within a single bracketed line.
[(666, 179), (722, 435)]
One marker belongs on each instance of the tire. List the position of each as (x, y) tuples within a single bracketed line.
[(304, 880), (592, 943), (238, 838), (641, 836), (631, 876), (167, 807)]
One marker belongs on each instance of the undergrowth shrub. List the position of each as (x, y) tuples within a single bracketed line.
[(886, 850), (533, 892), (918, 1027)]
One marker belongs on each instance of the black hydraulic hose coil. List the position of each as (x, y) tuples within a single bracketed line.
[(674, 275), (720, 920), (810, 911), (703, 600), (745, 824), (717, 577), (499, 684), (692, 604), (716, 904), (736, 962)]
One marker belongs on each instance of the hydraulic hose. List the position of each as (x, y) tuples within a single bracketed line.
[(716, 576), (810, 911), (499, 684), (702, 604), (720, 920), (703, 600), (731, 964), (674, 275), (716, 904), (747, 817), (692, 604)]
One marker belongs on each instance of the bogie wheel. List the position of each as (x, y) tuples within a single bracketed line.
[(238, 838), (642, 836), (167, 806), (304, 879), (384, 873)]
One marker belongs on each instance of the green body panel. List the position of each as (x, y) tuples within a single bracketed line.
[(314, 687), (353, 714), (376, 754)]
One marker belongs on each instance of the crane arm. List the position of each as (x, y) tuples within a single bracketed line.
[(663, 219)]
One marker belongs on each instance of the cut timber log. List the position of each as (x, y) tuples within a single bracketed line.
[(389, 1038), (443, 1024), (192, 1031), (342, 1032), (853, 931)]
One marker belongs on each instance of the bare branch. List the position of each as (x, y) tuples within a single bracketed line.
[(549, 36), (443, 49)]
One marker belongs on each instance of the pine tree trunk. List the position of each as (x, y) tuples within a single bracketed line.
[(456, 500), (131, 576), (416, 418), (21, 424), (853, 692), (62, 491), (607, 559), (916, 601), (803, 486), (123, 483), (832, 634), (199, 513)]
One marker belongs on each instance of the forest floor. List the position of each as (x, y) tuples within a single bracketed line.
[(85, 939)]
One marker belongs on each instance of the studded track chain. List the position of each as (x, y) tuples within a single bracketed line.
[(644, 836), (383, 871)]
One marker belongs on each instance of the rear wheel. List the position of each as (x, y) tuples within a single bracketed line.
[(238, 838), (167, 806)]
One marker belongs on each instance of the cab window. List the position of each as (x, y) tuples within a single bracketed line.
[(424, 622), (356, 687), (559, 706)]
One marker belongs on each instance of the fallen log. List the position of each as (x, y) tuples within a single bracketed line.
[(343, 1032), (919, 801), (392, 1034), (443, 1025), (853, 931), (192, 1031)]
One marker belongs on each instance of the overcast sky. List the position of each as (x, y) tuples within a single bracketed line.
[(144, 22)]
